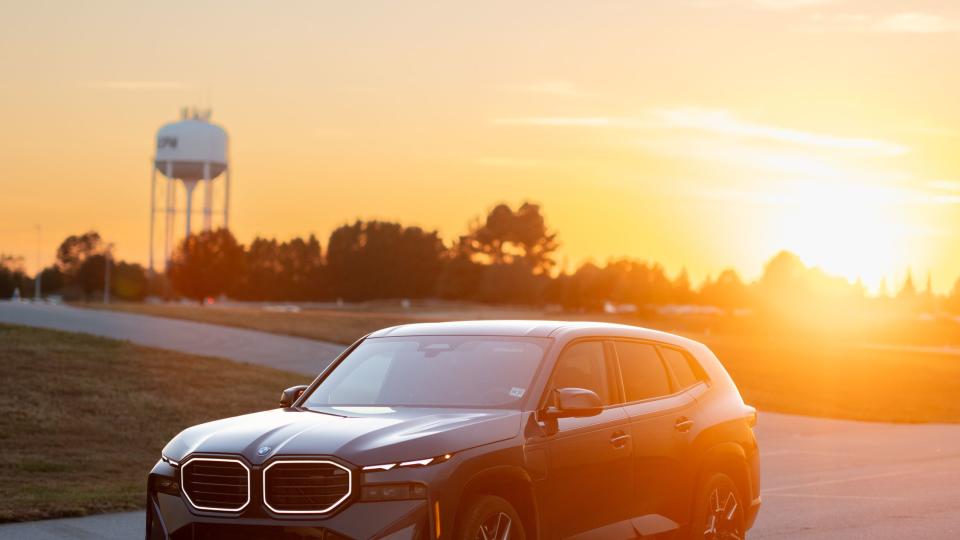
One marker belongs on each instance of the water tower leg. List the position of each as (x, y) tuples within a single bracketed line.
[(207, 197), (168, 233), (153, 207), (226, 199), (188, 187)]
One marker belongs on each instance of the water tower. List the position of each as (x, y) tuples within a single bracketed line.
[(190, 152)]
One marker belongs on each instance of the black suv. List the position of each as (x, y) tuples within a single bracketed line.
[(478, 430)]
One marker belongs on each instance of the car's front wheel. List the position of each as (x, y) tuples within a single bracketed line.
[(718, 510), (489, 518)]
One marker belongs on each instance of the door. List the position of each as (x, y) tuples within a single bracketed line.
[(590, 471), (658, 411)]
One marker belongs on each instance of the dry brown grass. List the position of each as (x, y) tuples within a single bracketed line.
[(338, 326), (817, 376), (834, 380), (83, 419)]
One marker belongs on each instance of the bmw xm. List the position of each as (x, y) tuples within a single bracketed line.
[(478, 430)]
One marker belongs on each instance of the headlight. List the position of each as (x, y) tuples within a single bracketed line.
[(170, 486), (169, 461), (412, 463), (393, 492)]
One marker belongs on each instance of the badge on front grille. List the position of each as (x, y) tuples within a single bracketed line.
[(263, 450)]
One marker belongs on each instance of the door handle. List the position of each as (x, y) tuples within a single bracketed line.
[(683, 424), (619, 439)]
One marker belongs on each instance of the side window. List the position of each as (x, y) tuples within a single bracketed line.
[(583, 365), (682, 367), (644, 376)]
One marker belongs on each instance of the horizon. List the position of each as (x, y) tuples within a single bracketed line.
[(644, 131)]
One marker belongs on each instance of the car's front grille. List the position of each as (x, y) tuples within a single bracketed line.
[(216, 483), (305, 486)]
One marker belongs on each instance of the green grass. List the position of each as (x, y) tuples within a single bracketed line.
[(83, 419)]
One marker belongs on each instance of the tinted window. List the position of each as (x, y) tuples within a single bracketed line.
[(432, 371), (583, 365), (681, 367), (644, 376)]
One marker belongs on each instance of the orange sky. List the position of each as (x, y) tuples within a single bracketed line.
[(702, 134)]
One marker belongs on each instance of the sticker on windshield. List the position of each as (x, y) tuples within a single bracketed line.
[(517, 392)]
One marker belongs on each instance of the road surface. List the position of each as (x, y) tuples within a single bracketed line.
[(297, 355), (822, 479)]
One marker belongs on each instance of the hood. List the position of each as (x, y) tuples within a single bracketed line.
[(360, 435)]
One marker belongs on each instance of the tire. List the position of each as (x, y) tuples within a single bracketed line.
[(718, 511), (489, 518)]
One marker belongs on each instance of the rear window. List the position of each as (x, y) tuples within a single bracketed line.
[(682, 365), (644, 376)]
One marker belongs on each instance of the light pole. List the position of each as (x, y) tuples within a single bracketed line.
[(37, 279)]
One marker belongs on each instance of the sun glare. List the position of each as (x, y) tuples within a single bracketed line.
[(848, 229)]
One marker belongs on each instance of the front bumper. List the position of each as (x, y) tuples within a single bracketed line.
[(170, 517)]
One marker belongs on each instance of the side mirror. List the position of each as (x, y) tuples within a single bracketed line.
[(290, 395), (575, 403)]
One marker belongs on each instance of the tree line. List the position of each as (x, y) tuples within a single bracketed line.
[(506, 257)]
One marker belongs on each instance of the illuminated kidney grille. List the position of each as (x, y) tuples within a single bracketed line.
[(305, 487), (216, 484)]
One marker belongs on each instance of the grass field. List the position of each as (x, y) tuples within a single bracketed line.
[(802, 375), (84, 418)]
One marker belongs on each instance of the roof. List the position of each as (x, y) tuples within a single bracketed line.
[(523, 328)]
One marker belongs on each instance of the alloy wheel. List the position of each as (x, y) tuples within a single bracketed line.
[(495, 527), (723, 516)]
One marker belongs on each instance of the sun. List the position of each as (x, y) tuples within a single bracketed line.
[(847, 229)]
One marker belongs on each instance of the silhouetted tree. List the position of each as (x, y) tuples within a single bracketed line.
[(75, 249), (507, 236), (89, 276), (52, 280), (206, 264), (283, 270), (76, 261), (728, 291), (301, 261), (952, 302), (12, 277), (682, 292), (128, 281), (512, 283), (378, 259), (460, 277)]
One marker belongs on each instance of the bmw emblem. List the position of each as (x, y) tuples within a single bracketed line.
[(263, 450)]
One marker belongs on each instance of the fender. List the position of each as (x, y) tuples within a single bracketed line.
[(512, 483)]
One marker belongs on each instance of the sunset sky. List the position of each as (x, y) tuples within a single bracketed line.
[(701, 134)]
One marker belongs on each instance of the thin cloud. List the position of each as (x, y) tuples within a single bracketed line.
[(945, 185), (135, 85), (722, 122), (789, 4), (915, 23), (714, 122), (896, 23), (773, 5), (547, 88), (510, 163), (563, 121)]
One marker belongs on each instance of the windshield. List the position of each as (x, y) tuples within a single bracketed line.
[(433, 371)]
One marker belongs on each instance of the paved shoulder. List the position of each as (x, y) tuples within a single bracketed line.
[(123, 526), (287, 353)]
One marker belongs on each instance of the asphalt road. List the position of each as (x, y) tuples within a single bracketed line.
[(297, 355), (822, 479)]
